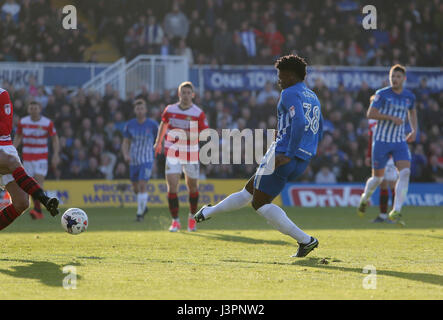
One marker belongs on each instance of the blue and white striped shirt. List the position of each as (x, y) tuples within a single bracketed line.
[(390, 103), (142, 136)]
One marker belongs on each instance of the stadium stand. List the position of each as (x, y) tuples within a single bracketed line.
[(90, 128), (231, 32)]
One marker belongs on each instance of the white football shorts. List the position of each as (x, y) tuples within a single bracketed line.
[(173, 166), (36, 167)]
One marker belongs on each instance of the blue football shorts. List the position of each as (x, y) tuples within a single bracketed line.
[(141, 172), (272, 181), (381, 151)]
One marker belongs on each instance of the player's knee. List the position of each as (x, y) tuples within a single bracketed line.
[(404, 173), (11, 162), (378, 180), (258, 203)]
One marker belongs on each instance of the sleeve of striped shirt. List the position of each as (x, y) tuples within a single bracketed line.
[(165, 116), (51, 129), (378, 101), (202, 122)]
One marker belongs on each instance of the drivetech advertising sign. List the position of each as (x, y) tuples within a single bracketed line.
[(348, 195), (322, 195)]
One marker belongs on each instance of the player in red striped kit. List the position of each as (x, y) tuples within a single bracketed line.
[(12, 174), (33, 131), (182, 157)]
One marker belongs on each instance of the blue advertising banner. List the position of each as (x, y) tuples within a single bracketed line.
[(19, 75), (255, 78), (72, 75), (344, 195)]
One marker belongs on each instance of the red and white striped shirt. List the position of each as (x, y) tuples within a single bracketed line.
[(178, 118), (35, 137)]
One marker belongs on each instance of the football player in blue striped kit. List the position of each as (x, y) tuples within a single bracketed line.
[(300, 127), (391, 107), (138, 149)]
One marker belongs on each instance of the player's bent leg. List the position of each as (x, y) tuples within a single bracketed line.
[(27, 183), (372, 184), (277, 218), (267, 187), (20, 202), (232, 202)]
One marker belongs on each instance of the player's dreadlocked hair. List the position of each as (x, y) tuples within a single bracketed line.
[(292, 63)]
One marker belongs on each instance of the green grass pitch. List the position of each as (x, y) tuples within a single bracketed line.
[(235, 255)]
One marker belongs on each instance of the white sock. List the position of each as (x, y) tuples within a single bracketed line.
[(371, 185), (232, 202), (142, 199), (278, 218), (401, 188)]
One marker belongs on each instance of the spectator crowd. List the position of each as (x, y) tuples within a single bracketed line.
[(90, 127), (327, 32), (31, 30)]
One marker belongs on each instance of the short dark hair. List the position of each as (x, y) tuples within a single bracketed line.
[(398, 67), (139, 100), (294, 64), (35, 102)]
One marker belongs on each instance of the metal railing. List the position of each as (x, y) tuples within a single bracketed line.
[(154, 72)]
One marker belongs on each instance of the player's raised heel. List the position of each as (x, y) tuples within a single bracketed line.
[(199, 217), (361, 210), (304, 249), (52, 206)]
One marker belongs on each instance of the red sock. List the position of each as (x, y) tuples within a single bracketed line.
[(384, 197), (27, 183), (193, 202), (7, 216), (173, 205)]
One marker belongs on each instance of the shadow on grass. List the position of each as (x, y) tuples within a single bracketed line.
[(319, 263), (48, 273), (232, 238)]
